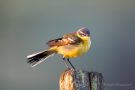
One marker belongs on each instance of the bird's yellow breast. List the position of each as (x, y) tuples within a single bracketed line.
[(75, 50)]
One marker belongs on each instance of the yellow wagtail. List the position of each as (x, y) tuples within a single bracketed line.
[(70, 45)]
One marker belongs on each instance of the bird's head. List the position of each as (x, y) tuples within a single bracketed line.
[(83, 33)]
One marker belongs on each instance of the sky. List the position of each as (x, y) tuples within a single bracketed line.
[(26, 26)]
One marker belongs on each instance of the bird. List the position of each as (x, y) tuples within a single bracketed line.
[(71, 45)]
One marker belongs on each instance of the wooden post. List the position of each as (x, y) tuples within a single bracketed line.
[(81, 80)]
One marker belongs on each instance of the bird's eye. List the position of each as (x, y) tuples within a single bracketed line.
[(82, 34)]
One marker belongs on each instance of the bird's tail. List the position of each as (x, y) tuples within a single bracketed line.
[(36, 58)]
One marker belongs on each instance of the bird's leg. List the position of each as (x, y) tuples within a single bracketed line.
[(65, 63), (70, 64)]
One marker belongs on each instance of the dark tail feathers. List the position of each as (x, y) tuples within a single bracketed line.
[(35, 59)]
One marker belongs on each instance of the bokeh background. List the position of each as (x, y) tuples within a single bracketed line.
[(26, 25)]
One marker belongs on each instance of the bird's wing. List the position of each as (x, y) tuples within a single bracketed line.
[(65, 40)]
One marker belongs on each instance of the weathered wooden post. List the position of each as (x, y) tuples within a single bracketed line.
[(81, 80)]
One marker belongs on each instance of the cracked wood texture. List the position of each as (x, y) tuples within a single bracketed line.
[(81, 80)]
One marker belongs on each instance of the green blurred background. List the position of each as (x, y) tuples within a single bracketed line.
[(26, 25)]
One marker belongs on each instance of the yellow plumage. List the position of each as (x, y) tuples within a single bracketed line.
[(75, 50)]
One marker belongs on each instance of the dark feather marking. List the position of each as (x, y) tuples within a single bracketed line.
[(35, 59), (65, 40)]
